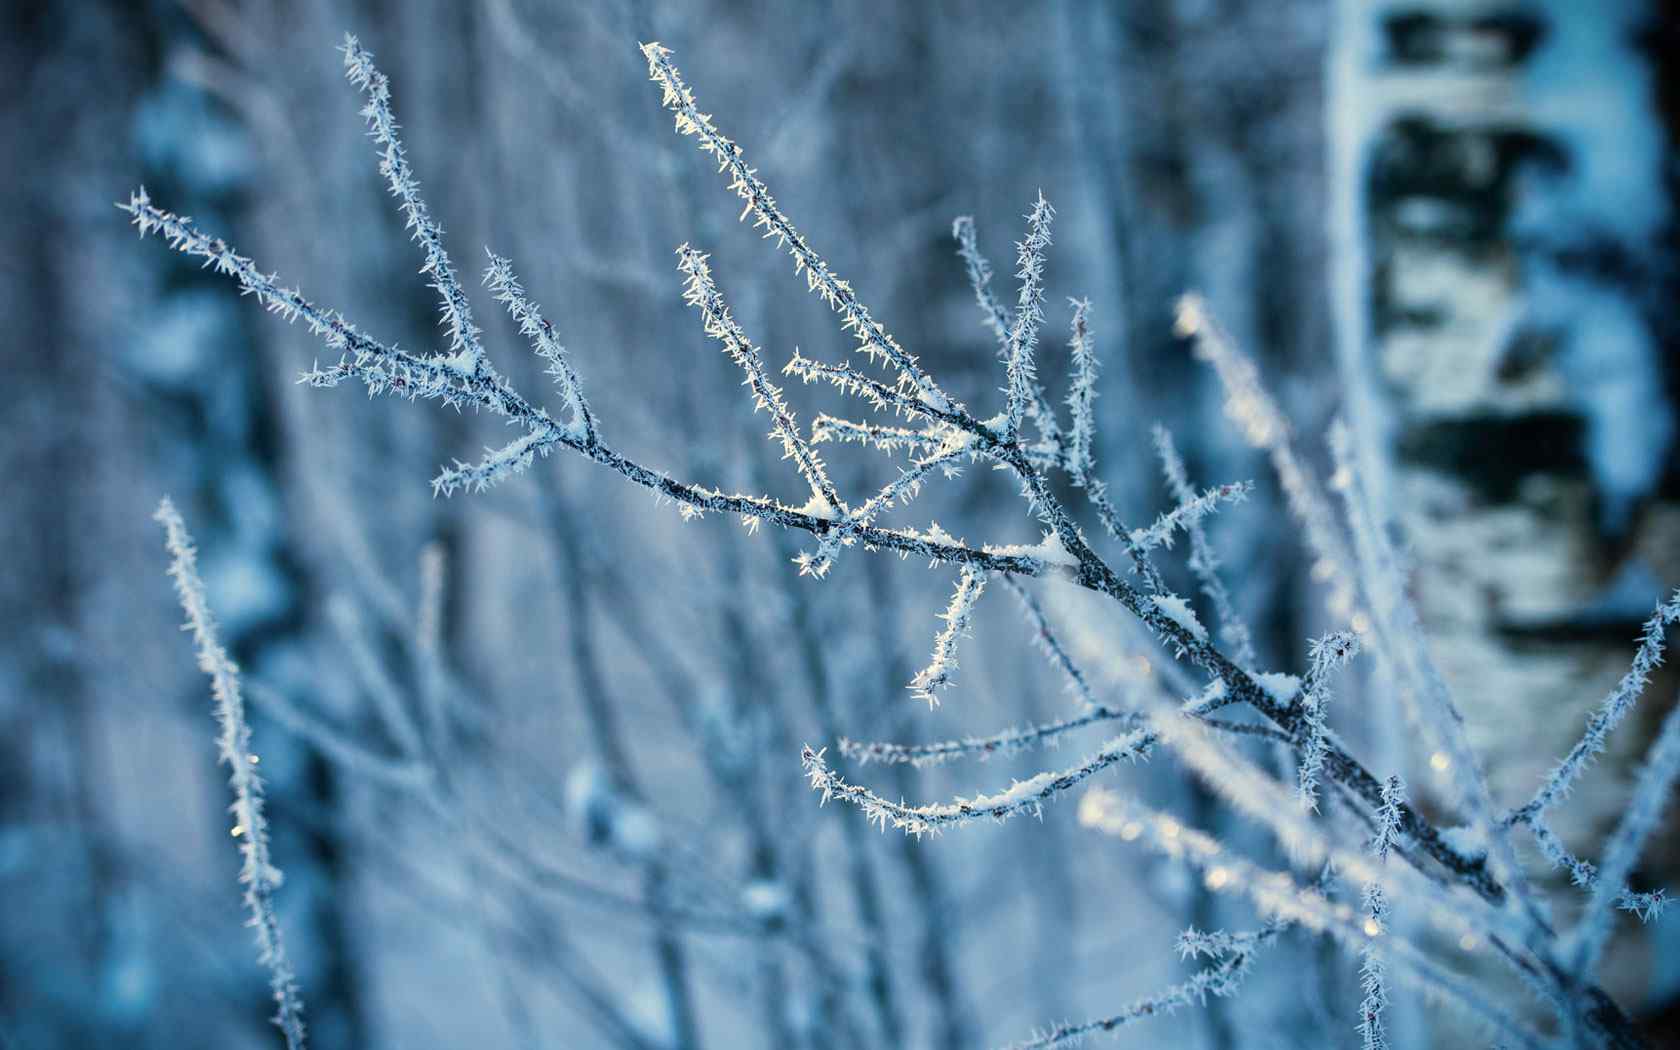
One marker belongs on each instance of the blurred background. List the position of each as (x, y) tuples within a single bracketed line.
[(533, 754)]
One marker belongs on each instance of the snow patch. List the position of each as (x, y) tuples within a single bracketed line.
[(1049, 550), (1178, 611), (1283, 688), (818, 506)]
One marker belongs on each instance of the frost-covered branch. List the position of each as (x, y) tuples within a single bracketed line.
[(1325, 655), (1249, 406), (1232, 958), (1082, 395), (996, 316), (1008, 742), (1021, 370), (1278, 895), (504, 282), (1457, 887), (1051, 646), (1022, 796), (257, 873), (1310, 842), (872, 338), (971, 583), (1647, 905), (384, 369), (1399, 637), (464, 346), (1373, 974), (1621, 854), (1611, 711), (1188, 514), (1204, 563), (701, 292)]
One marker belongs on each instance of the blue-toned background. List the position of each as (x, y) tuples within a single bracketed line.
[(1458, 216)]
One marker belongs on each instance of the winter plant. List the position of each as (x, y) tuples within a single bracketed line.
[(1406, 896), (250, 827)]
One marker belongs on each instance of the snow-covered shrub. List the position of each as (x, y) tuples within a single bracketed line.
[(1406, 895)]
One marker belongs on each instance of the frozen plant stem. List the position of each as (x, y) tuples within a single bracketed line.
[(257, 873)]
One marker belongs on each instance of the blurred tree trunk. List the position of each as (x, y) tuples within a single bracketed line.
[(1499, 273)]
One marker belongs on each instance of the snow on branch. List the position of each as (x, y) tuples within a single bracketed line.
[(257, 873), (1178, 611)]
